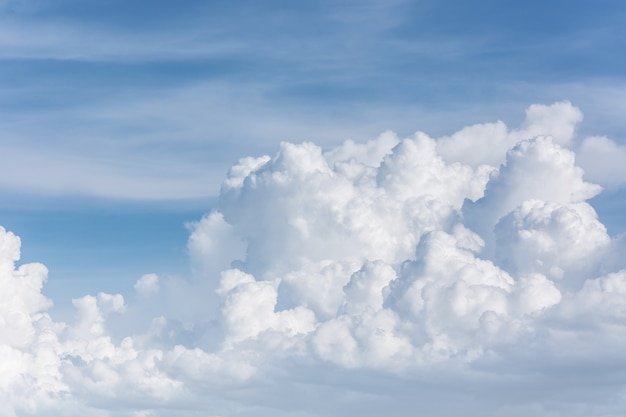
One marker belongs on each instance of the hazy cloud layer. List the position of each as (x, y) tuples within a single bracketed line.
[(466, 274)]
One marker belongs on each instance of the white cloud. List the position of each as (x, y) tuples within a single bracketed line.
[(603, 161), (147, 285), (536, 169), (564, 242), (358, 280), (487, 143)]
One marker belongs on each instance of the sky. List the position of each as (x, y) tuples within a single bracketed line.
[(314, 208)]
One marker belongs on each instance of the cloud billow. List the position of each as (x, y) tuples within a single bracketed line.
[(445, 274)]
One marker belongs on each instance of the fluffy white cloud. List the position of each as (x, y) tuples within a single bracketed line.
[(603, 160), (535, 169), (488, 143), (147, 285), (366, 279), (564, 242)]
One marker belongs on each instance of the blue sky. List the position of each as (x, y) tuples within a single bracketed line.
[(120, 119)]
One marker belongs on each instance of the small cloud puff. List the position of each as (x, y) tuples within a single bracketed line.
[(147, 285), (603, 161)]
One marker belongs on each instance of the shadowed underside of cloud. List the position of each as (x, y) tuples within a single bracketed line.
[(465, 274)]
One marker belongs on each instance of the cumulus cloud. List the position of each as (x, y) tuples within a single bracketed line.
[(535, 169), (147, 285), (488, 143), (365, 279), (603, 160), (559, 241)]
